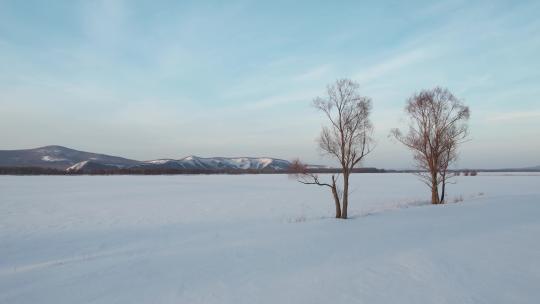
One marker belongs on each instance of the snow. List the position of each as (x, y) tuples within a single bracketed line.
[(51, 149), (52, 158), (78, 166), (265, 161), (160, 161), (266, 239)]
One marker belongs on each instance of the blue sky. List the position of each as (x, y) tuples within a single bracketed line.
[(149, 79)]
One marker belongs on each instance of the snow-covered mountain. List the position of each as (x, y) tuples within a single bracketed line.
[(75, 161), (58, 157), (218, 163)]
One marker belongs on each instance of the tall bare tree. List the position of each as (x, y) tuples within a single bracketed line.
[(347, 138), (437, 126)]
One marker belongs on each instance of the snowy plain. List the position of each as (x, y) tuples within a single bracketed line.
[(267, 239)]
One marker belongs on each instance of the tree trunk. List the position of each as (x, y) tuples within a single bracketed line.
[(443, 189), (336, 197), (345, 195), (434, 192), (444, 172)]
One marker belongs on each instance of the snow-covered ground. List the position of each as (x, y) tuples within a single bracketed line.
[(267, 239)]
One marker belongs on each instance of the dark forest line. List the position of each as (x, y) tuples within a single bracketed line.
[(154, 171)]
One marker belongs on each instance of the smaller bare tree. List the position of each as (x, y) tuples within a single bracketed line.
[(301, 172), (347, 139), (437, 126)]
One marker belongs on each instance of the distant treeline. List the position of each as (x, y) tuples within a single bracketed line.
[(30, 171), (162, 171)]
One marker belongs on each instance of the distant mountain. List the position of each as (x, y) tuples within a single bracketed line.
[(58, 157), (218, 163), (73, 161)]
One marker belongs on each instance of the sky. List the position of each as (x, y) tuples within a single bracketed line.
[(158, 79)]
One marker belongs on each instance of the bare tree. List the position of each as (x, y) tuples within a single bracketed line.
[(302, 174), (437, 126), (347, 138)]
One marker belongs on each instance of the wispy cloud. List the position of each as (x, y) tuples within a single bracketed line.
[(279, 100), (514, 116), (104, 22), (315, 73), (391, 65)]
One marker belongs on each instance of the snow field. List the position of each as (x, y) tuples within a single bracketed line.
[(266, 239)]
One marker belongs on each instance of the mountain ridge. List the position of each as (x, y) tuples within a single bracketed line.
[(75, 161)]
